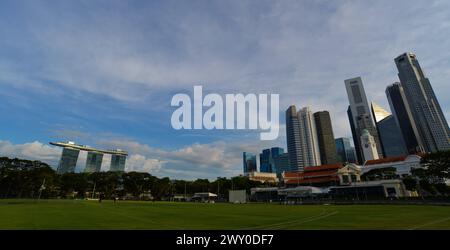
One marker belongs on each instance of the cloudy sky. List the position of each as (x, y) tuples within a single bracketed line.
[(102, 73)]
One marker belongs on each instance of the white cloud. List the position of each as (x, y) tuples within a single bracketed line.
[(301, 50), (140, 163), (207, 160), (31, 151), (190, 162)]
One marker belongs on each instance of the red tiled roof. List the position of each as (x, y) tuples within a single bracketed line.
[(316, 170), (310, 174), (386, 160), (323, 167), (312, 180)]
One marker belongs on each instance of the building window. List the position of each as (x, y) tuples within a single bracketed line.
[(353, 178), (345, 179), (356, 93)]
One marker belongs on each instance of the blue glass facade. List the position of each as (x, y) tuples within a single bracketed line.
[(249, 162), (345, 152), (391, 138), (266, 159), (281, 163)]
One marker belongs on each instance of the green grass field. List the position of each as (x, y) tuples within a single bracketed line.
[(78, 214)]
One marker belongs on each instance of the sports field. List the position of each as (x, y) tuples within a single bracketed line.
[(79, 214)]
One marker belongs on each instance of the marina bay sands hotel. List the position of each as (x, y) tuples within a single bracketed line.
[(94, 159)]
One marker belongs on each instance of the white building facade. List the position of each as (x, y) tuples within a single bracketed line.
[(369, 146), (308, 138)]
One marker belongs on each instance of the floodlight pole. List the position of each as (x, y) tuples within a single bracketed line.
[(41, 188), (93, 191), (185, 191)]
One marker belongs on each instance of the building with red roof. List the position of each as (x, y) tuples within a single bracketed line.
[(324, 175), (402, 164)]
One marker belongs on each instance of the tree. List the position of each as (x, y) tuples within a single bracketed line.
[(410, 183), (388, 173), (437, 165), (74, 183)]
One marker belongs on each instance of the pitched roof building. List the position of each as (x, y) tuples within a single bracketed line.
[(324, 175)]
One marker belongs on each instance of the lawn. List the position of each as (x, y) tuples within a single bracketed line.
[(79, 214)]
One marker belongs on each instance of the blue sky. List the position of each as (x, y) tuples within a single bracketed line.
[(103, 73)]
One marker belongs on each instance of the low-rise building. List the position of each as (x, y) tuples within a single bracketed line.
[(372, 189), (277, 194), (204, 197), (324, 175), (263, 177), (402, 164)]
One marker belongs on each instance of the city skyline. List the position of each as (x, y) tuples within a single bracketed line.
[(106, 79)]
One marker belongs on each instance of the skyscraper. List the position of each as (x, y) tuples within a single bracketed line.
[(391, 138), (425, 109), (359, 115), (308, 138), (249, 161), (345, 151), (293, 138), (266, 159), (358, 152), (68, 160), (281, 163), (403, 116), (325, 136)]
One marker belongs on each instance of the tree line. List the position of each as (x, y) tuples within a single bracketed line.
[(34, 179)]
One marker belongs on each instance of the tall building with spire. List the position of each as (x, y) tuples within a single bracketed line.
[(425, 109), (359, 116)]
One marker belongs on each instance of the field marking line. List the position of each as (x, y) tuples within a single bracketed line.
[(274, 225), (284, 222), (304, 221), (430, 223)]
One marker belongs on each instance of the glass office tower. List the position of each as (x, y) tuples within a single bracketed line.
[(266, 159), (391, 138), (403, 116), (423, 104), (249, 161), (293, 138), (345, 151), (281, 163)]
